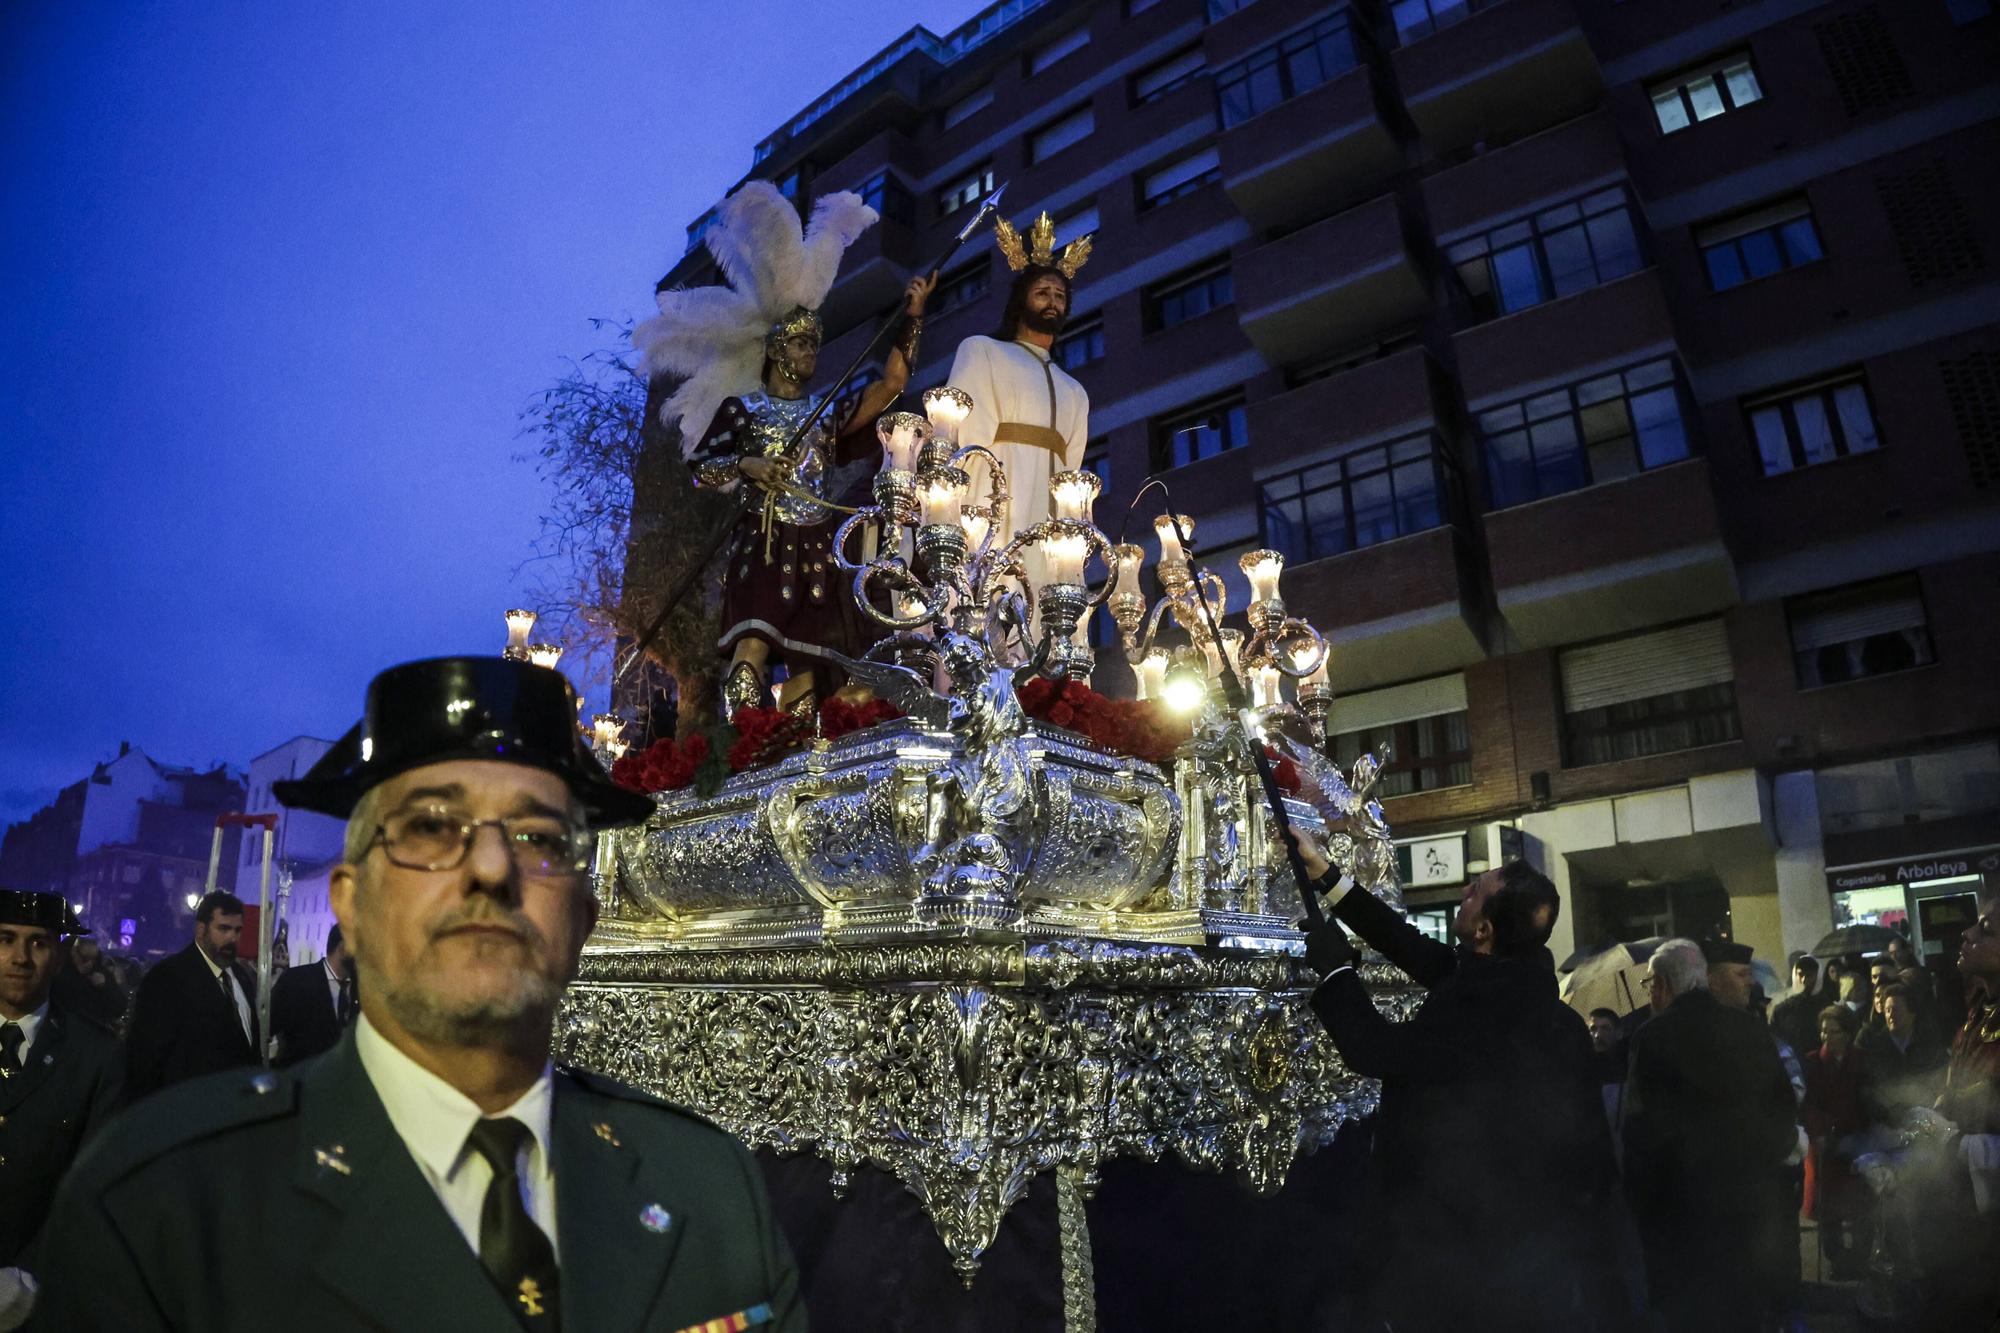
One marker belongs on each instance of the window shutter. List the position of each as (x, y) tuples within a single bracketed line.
[(1398, 703), (1646, 665), (1208, 159), (1853, 618)]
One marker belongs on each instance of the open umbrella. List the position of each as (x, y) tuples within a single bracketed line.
[(1613, 978), (1855, 939)]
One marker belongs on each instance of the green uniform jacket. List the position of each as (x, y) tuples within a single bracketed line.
[(64, 1093), (251, 1200)]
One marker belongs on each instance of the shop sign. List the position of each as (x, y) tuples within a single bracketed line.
[(1915, 869), (1431, 863)]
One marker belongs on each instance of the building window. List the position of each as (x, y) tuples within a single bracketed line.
[(1083, 222), (968, 106), (1423, 754), (1671, 689), (1288, 67), (1861, 630), (1180, 178), (1136, 7), (1097, 459), (1222, 9), (1052, 139), (961, 288), (1759, 243), (1965, 11), (967, 189), (1169, 76), (1558, 252), (1607, 427), (1715, 89), (700, 227), (1814, 424), (1186, 295), (888, 196), (1421, 18), (1373, 495), (1074, 40), (1200, 432), (1081, 343)]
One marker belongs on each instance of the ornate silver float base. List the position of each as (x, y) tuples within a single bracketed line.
[(966, 1067)]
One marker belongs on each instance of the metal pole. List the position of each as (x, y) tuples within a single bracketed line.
[(267, 935), (214, 856)]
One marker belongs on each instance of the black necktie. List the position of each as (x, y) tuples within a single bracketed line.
[(344, 1010), (516, 1253), (11, 1038)]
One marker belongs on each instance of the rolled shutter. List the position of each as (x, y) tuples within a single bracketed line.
[(1666, 661), (1849, 618), (1398, 703)]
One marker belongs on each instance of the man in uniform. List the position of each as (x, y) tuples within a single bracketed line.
[(433, 1170), (59, 1075)]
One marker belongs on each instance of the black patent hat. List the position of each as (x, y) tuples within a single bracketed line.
[(45, 911), (449, 708)]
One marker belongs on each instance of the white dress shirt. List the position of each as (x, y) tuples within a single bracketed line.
[(433, 1119), (28, 1023), (235, 991), (332, 983)]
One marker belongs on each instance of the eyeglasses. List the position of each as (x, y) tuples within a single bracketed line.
[(440, 840)]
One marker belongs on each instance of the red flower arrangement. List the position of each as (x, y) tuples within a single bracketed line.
[(756, 736), (1284, 772), (1142, 729)]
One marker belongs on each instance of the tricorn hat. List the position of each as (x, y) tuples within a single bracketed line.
[(48, 911), (1726, 951), (448, 708)]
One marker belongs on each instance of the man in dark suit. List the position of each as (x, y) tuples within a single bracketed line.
[(194, 1013), (1709, 1120), (1492, 1167), (313, 1004), (433, 1171), (59, 1076)]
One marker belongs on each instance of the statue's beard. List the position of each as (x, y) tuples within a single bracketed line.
[(1042, 321)]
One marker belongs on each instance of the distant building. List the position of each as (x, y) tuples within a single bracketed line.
[(304, 847)]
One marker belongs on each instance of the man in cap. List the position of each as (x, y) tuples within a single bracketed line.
[(194, 1013), (433, 1170), (59, 1076)]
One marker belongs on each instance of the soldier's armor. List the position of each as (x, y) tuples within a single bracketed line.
[(759, 426)]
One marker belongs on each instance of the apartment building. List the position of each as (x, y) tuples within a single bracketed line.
[(1621, 380)]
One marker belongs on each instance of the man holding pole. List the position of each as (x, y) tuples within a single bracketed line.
[(195, 1012)]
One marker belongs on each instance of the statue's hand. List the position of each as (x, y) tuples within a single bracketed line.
[(919, 292), (758, 469)]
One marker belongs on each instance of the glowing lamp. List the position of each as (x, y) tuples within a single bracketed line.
[(977, 523), (1170, 541), (902, 434), (606, 728), (1264, 687), (545, 654), (1064, 553), (1129, 559), (947, 408), (1152, 674), (1262, 569), (941, 493), (1184, 690), (1073, 493), (193, 901), (520, 623)]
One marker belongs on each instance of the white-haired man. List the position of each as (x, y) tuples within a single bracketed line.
[(1709, 1118)]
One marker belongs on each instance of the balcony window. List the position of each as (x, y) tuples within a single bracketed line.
[(1814, 424), (1759, 243), (970, 188), (961, 288), (1558, 252), (1421, 18), (1861, 630), (1200, 432), (1169, 76), (1187, 295), (1052, 139), (1605, 428), (968, 106), (1179, 179), (1074, 40), (1080, 344), (890, 198), (1711, 90), (1359, 499), (1653, 693), (1422, 754), (700, 227), (1281, 71), (1080, 223)]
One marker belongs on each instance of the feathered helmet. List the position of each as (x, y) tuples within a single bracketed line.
[(777, 275)]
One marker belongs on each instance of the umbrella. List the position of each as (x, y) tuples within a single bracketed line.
[(1613, 978), (1854, 939)]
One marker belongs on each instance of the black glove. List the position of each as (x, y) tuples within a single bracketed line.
[(1328, 949)]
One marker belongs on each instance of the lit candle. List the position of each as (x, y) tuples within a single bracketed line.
[(1264, 687), (1130, 559), (941, 492), (545, 654), (1170, 542), (1152, 674), (947, 408), (1262, 569), (976, 522), (1319, 676), (520, 623), (902, 435), (1072, 494), (1064, 554), (605, 728)]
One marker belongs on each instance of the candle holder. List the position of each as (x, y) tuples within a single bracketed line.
[(520, 624)]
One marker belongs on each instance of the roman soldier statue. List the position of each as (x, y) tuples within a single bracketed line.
[(1025, 405), (748, 351)]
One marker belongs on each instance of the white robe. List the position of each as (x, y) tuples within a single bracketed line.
[(1011, 381)]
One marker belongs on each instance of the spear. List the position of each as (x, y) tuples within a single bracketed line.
[(889, 320)]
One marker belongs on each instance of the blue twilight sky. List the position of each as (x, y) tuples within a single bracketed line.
[(276, 281)]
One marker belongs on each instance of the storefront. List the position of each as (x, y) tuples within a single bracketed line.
[(1432, 871), (1930, 899)]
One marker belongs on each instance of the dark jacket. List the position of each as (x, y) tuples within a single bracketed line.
[(1893, 1081), (63, 1094), (1492, 1157), (304, 1020), (183, 1025), (257, 1200), (1796, 1020)]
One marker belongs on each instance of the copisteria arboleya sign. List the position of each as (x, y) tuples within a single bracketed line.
[(1953, 864)]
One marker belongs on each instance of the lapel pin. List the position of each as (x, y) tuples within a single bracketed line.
[(655, 1218), (605, 1132), (333, 1159)]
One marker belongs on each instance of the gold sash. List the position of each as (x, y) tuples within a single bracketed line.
[(1039, 437)]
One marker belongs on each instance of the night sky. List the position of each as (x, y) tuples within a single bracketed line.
[(276, 281)]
